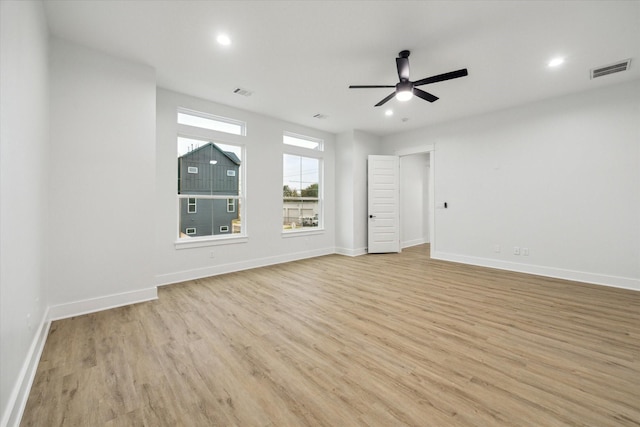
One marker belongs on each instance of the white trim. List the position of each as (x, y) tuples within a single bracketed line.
[(431, 150), (308, 231), (558, 273), (414, 242), (194, 204), (198, 273), (415, 150), (351, 252), (298, 136), (199, 242), (214, 118), (91, 305), (20, 393)]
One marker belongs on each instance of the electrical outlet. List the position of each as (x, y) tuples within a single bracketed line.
[(525, 251), (212, 254), (497, 249), (516, 250)]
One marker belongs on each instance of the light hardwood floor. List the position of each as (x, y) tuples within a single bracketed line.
[(379, 340)]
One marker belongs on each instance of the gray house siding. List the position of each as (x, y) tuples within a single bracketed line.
[(197, 176)]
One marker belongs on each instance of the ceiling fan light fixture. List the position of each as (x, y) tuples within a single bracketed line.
[(404, 91), (404, 95)]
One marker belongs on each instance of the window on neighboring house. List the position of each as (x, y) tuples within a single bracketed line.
[(301, 183), (191, 205), (210, 183)]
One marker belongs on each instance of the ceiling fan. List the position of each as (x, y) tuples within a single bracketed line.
[(405, 89)]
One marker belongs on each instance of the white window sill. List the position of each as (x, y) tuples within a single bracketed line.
[(302, 232), (199, 242)]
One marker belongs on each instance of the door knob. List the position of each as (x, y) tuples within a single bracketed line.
[(372, 216)]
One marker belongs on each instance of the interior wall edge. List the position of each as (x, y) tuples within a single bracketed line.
[(351, 252), (92, 305), (413, 242), (22, 388)]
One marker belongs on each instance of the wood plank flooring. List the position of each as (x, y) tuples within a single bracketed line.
[(376, 340)]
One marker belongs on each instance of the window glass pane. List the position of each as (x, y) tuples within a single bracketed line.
[(211, 219), (304, 142), (211, 198), (218, 167), (300, 192), (218, 124)]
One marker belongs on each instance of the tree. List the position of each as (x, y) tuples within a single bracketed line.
[(289, 192), (310, 191)]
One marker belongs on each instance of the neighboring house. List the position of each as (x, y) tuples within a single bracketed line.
[(209, 171)]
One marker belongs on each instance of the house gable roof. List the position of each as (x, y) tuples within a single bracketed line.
[(230, 155)]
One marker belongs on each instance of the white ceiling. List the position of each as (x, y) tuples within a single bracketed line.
[(299, 57)]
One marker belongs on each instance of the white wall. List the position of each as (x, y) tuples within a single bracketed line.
[(414, 199), (351, 191), (345, 234), (266, 243), (24, 164), (102, 188), (560, 177)]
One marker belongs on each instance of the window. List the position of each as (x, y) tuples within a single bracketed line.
[(301, 184), (191, 205), (211, 122), (209, 201), (302, 141)]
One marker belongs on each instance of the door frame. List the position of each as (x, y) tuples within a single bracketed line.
[(431, 150)]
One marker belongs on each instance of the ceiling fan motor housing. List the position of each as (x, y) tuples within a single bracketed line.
[(405, 86)]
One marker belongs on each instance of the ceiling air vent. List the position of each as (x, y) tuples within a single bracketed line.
[(243, 92), (610, 69)]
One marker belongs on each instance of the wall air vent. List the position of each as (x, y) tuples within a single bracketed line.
[(243, 92), (610, 69)]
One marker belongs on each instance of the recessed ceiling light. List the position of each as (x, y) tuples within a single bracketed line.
[(223, 39), (388, 113), (555, 62)]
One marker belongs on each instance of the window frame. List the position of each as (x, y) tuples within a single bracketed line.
[(318, 154), (216, 137), (194, 204), (214, 118)]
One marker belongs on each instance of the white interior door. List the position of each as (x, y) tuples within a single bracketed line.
[(383, 204)]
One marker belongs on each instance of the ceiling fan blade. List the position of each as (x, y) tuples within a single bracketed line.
[(442, 77), (385, 100), (403, 68), (368, 86), (424, 95)]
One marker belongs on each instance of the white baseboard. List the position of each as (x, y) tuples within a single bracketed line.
[(20, 393), (558, 273), (351, 252), (92, 305), (414, 242), (198, 273)]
